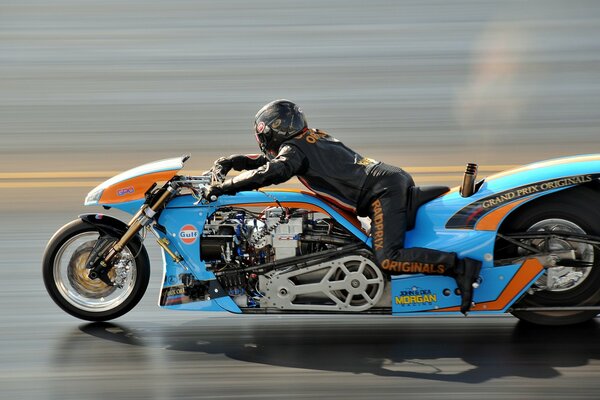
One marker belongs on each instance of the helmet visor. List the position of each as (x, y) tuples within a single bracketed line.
[(260, 139), (262, 144)]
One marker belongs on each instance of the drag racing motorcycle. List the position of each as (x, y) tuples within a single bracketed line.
[(535, 228)]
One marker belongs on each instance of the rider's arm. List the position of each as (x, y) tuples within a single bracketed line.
[(240, 162), (289, 162)]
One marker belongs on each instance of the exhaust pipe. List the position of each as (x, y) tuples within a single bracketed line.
[(468, 184)]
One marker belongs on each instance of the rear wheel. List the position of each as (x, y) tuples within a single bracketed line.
[(67, 281), (562, 286)]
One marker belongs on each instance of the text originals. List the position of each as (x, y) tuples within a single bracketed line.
[(535, 188)]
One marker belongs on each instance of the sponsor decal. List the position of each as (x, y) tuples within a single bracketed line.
[(467, 217), (188, 234), (531, 189), (260, 127), (174, 291), (377, 225), (415, 296), (173, 295), (412, 267), (125, 191)]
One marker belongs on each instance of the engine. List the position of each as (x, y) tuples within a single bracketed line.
[(238, 237), (243, 247)]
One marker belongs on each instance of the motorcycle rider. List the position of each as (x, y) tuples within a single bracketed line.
[(342, 177)]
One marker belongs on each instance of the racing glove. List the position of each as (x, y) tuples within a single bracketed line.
[(222, 166), (213, 192)]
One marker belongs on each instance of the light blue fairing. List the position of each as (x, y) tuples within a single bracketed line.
[(430, 228), (430, 231), (183, 211), (173, 219)]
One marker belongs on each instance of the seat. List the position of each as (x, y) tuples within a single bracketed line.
[(419, 195)]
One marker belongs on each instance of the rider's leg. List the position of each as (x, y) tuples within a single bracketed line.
[(388, 227)]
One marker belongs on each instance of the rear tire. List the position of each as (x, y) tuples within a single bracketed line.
[(572, 210), (66, 280)]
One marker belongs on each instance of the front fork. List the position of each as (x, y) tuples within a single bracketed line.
[(101, 263)]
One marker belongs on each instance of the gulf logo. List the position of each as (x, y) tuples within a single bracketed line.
[(188, 234)]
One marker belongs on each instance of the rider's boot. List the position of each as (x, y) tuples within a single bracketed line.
[(466, 273)]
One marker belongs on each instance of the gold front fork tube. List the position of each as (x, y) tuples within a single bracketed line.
[(136, 224)]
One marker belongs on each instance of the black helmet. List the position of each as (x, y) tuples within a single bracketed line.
[(277, 122)]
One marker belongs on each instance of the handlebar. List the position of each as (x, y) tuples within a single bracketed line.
[(199, 184)]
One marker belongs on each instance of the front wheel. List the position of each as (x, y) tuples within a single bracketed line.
[(66, 275)]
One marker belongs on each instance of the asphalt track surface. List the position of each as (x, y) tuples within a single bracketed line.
[(88, 86), (157, 354)]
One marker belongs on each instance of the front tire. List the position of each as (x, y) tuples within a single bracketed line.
[(571, 211), (66, 276)]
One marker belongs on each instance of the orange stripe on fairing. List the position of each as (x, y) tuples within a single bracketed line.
[(335, 201), (329, 198), (288, 191), (526, 273), (561, 161), (491, 221), (306, 206), (139, 184), (346, 211), (350, 217)]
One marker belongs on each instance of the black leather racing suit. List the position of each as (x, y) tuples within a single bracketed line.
[(343, 177)]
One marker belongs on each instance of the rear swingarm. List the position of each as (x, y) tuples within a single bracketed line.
[(549, 258)]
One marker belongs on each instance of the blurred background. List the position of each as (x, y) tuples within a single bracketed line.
[(89, 88)]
